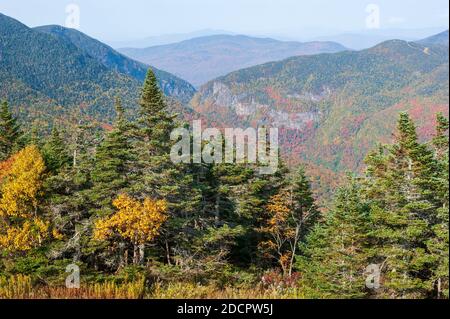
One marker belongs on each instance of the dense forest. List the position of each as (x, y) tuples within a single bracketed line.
[(111, 202), (334, 107), (51, 73)]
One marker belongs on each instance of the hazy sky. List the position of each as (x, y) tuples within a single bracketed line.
[(131, 19)]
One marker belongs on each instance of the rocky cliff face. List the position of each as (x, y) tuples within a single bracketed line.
[(219, 97)]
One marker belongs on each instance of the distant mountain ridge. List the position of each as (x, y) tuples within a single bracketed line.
[(170, 84), (438, 39), (202, 59), (365, 39), (166, 39)]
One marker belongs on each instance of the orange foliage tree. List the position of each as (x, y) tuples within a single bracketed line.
[(135, 221), (284, 229)]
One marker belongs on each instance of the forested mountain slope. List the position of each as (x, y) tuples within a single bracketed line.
[(438, 39), (170, 84), (332, 108), (46, 76)]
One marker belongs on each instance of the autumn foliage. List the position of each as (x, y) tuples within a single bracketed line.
[(21, 227), (134, 221)]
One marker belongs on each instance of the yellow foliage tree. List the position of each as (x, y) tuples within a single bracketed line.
[(134, 221), (21, 228)]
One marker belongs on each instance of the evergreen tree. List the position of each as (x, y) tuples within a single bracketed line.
[(69, 202), (114, 158), (218, 221), (438, 245), (152, 144), (253, 194), (157, 177), (336, 253), (401, 190), (155, 122), (303, 202), (9, 132), (291, 213), (440, 141), (55, 152), (111, 176)]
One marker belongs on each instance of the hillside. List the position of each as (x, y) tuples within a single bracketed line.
[(170, 84), (438, 39), (205, 58), (44, 76), (331, 108)]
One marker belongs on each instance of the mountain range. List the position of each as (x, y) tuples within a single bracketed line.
[(170, 84), (53, 70), (356, 40), (438, 39), (166, 39), (331, 108), (364, 39), (202, 59)]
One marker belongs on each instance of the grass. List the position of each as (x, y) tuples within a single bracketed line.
[(196, 291), (21, 287)]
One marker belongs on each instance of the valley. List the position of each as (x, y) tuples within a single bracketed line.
[(331, 108), (221, 166)]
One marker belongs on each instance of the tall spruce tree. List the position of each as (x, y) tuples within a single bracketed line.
[(400, 187), (438, 245), (336, 253), (157, 176), (153, 144), (114, 158), (55, 152), (155, 121), (9, 132), (303, 201)]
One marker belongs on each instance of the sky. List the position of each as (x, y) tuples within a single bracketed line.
[(120, 20)]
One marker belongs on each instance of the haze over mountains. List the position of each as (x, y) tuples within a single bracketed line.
[(166, 39), (359, 40), (355, 40), (438, 39), (202, 59)]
